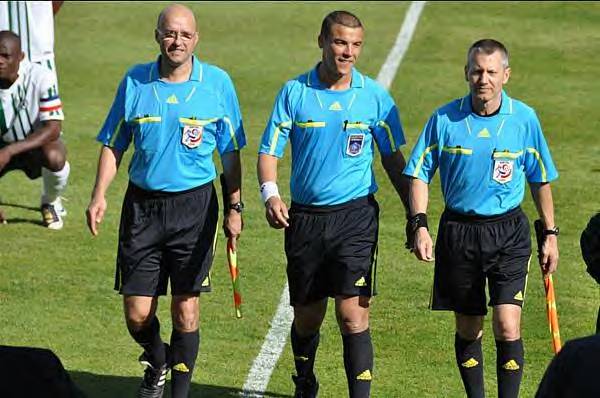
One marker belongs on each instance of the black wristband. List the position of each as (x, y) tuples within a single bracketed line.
[(417, 221)]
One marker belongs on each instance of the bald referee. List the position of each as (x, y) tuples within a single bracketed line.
[(333, 116), (486, 145), (176, 111)]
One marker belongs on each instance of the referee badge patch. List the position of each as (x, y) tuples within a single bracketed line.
[(355, 144), (192, 136), (503, 171)]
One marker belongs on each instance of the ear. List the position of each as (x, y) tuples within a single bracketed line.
[(21, 56), (156, 38), (467, 73), (506, 75), (321, 41)]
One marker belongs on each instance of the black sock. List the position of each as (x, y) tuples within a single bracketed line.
[(184, 351), (469, 359), (358, 362), (149, 339), (509, 367), (305, 350)]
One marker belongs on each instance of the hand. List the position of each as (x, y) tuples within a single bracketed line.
[(423, 245), (277, 213), (233, 225), (549, 255), (5, 157), (95, 213)]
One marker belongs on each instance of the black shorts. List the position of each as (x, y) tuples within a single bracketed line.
[(166, 235), (332, 250), (29, 162), (470, 249)]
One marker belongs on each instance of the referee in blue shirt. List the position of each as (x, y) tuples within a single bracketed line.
[(176, 111), (485, 145), (333, 116)]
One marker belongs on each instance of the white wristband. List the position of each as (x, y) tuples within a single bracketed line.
[(268, 189)]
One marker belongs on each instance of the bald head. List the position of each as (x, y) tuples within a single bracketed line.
[(175, 11)]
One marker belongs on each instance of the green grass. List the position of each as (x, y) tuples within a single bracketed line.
[(56, 287)]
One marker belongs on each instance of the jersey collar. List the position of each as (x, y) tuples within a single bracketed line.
[(195, 75), (312, 78), (506, 107)]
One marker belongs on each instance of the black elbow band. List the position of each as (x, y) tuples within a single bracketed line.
[(417, 221)]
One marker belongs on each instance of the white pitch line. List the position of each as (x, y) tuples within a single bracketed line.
[(390, 66), (264, 364)]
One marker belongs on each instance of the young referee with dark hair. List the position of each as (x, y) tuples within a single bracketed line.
[(333, 116), (485, 145)]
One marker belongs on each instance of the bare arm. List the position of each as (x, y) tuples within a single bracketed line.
[(232, 169), (419, 198), (108, 164), (393, 165), (47, 132), (542, 197), (276, 210)]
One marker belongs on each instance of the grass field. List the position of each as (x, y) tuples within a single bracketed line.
[(56, 287)]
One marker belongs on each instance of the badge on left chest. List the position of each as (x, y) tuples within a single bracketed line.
[(355, 144), (503, 171), (192, 136)]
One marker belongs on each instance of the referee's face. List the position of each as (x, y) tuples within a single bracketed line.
[(177, 36), (341, 49), (486, 75)]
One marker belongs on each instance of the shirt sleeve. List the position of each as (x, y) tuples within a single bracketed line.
[(423, 161), (50, 106), (279, 126), (232, 136), (538, 163), (115, 132), (387, 130)]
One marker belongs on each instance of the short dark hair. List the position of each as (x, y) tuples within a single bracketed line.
[(344, 18), (488, 46), (12, 36)]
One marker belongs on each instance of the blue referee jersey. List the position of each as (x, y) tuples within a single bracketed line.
[(483, 160), (332, 135), (175, 127)]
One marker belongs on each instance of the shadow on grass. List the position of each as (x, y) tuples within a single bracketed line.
[(21, 220), (109, 386)]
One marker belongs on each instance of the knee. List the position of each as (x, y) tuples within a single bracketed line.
[(55, 160), (353, 325), (185, 317), (307, 325), (507, 330), (137, 321)]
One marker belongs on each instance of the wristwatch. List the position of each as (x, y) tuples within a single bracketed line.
[(239, 206), (553, 231)]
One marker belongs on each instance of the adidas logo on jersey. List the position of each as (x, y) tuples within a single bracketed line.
[(336, 106), (471, 363), (361, 282), (172, 99), (519, 296), (484, 133), (365, 376)]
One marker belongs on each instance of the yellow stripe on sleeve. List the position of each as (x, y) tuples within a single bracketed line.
[(539, 159), (115, 134), (236, 147), (422, 158), (276, 136), (383, 124)]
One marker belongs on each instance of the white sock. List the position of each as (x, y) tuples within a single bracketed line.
[(54, 183)]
